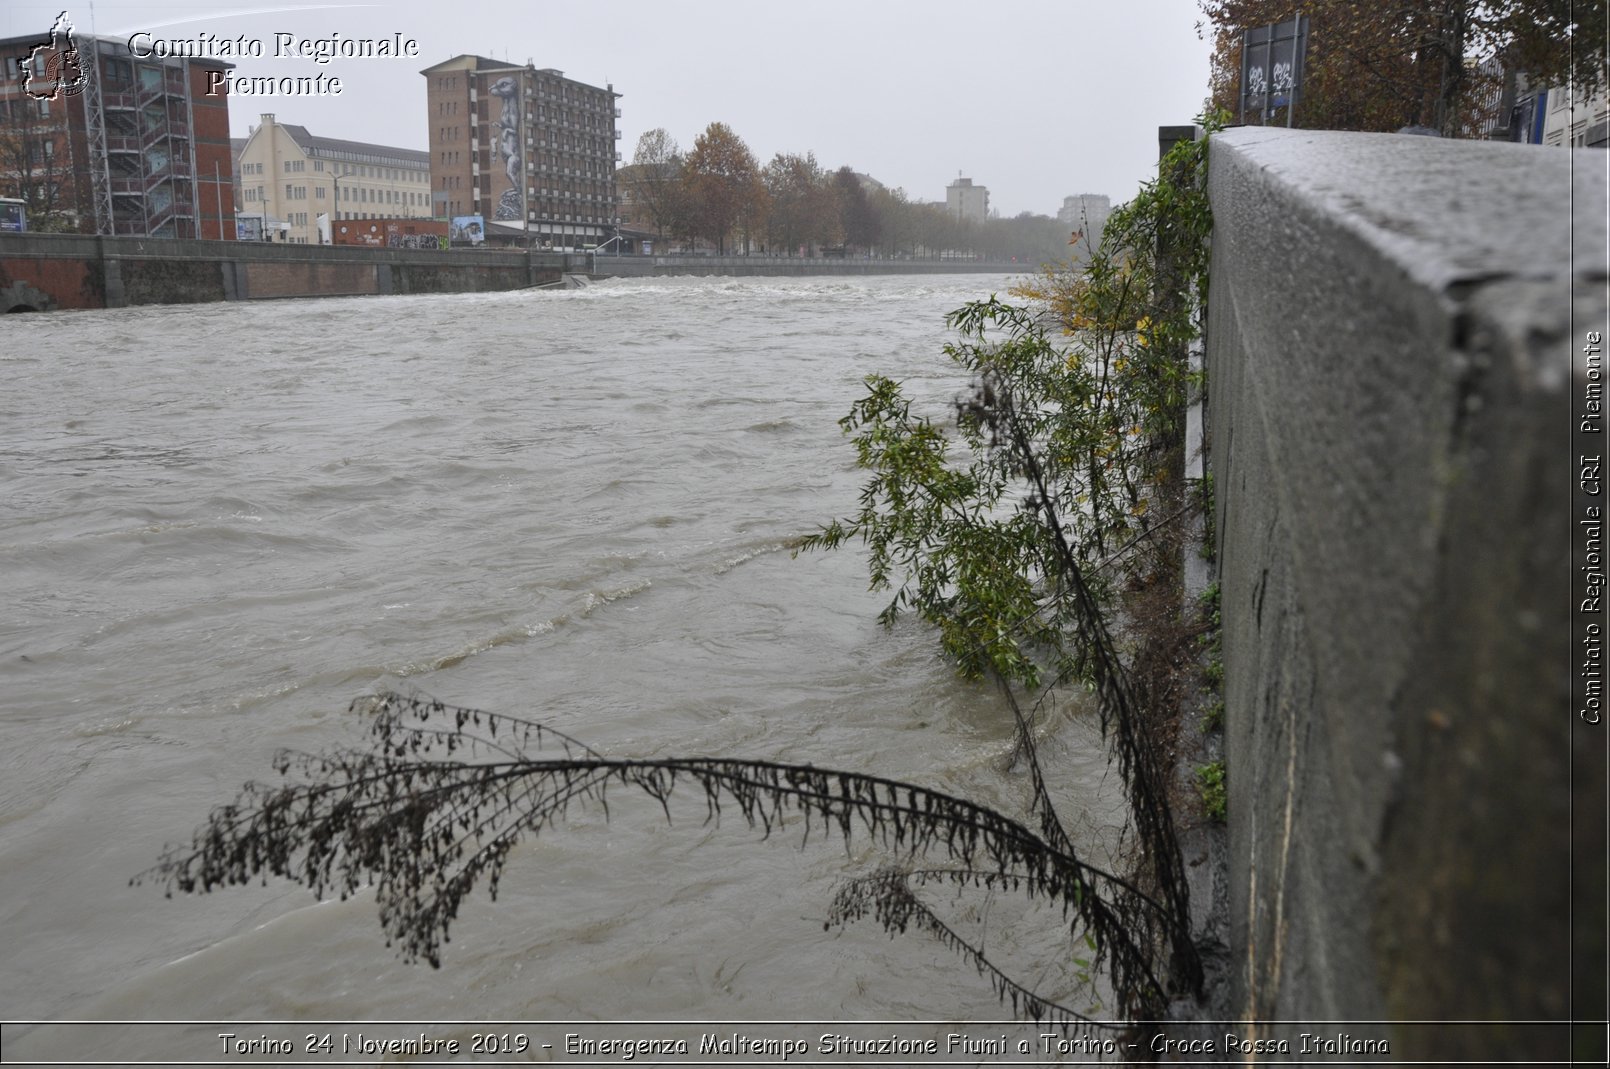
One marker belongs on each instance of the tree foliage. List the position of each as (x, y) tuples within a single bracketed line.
[(36, 166), (794, 203), (1017, 537), (655, 180), (1383, 66), (724, 185), (800, 207), (857, 220)]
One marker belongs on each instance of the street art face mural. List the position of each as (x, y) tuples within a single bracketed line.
[(511, 205)]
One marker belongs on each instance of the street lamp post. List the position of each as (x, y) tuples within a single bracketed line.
[(335, 181)]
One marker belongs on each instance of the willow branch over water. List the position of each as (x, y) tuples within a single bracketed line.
[(436, 802)]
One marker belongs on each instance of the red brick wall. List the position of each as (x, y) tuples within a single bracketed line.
[(302, 279), (213, 157), (71, 283)]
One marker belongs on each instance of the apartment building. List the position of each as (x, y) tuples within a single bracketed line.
[(1087, 213), (1575, 120), (530, 151), (967, 202), (101, 141), (298, 183)]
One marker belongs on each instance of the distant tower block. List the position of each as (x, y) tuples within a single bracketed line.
[(1085, 212), (966, 201)]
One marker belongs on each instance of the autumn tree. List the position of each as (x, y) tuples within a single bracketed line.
[(1374, 65), (856, 217), (894, 220), (801, 210), (654, 179), (723, 185)]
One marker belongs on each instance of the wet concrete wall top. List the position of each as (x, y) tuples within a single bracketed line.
[(1392, 329)]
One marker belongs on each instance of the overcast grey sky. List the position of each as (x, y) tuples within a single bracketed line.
[(1035, 99)]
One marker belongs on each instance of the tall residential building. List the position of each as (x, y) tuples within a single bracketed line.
[(529, 150), (966, 201), (101, 140), (291, 178)]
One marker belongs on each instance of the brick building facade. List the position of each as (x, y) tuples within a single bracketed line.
[(100, 140), (529, 150)]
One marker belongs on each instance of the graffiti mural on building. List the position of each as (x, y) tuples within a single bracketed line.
[(415, 241), (511, 205)]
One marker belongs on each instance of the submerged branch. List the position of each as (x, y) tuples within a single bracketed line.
[(435, 806)]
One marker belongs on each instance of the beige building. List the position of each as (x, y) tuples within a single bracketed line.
[(1579, 122), (531, 152), (967, 202), (299, 183)]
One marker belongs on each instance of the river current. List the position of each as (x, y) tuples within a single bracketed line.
[(220, 524)]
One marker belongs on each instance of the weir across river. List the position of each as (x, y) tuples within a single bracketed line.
[(47, 272)]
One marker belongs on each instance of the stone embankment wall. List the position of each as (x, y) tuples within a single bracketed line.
[(44, 272), (1390, 356)]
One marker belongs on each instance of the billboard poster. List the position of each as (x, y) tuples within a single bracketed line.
[(13, 215), (248, 228), (467, 228)]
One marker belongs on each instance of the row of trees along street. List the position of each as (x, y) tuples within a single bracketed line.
[(717, 192)]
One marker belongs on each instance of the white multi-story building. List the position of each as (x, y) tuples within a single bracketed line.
[(966, 201), (291, 178)]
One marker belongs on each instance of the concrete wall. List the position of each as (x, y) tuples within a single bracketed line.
[(1390, 358), (45, 272), (62, 271)]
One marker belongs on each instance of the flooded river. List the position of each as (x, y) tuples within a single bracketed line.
[(220, 524)]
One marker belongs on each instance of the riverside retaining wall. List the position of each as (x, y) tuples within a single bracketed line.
[(1390, 346), (45, 272)]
